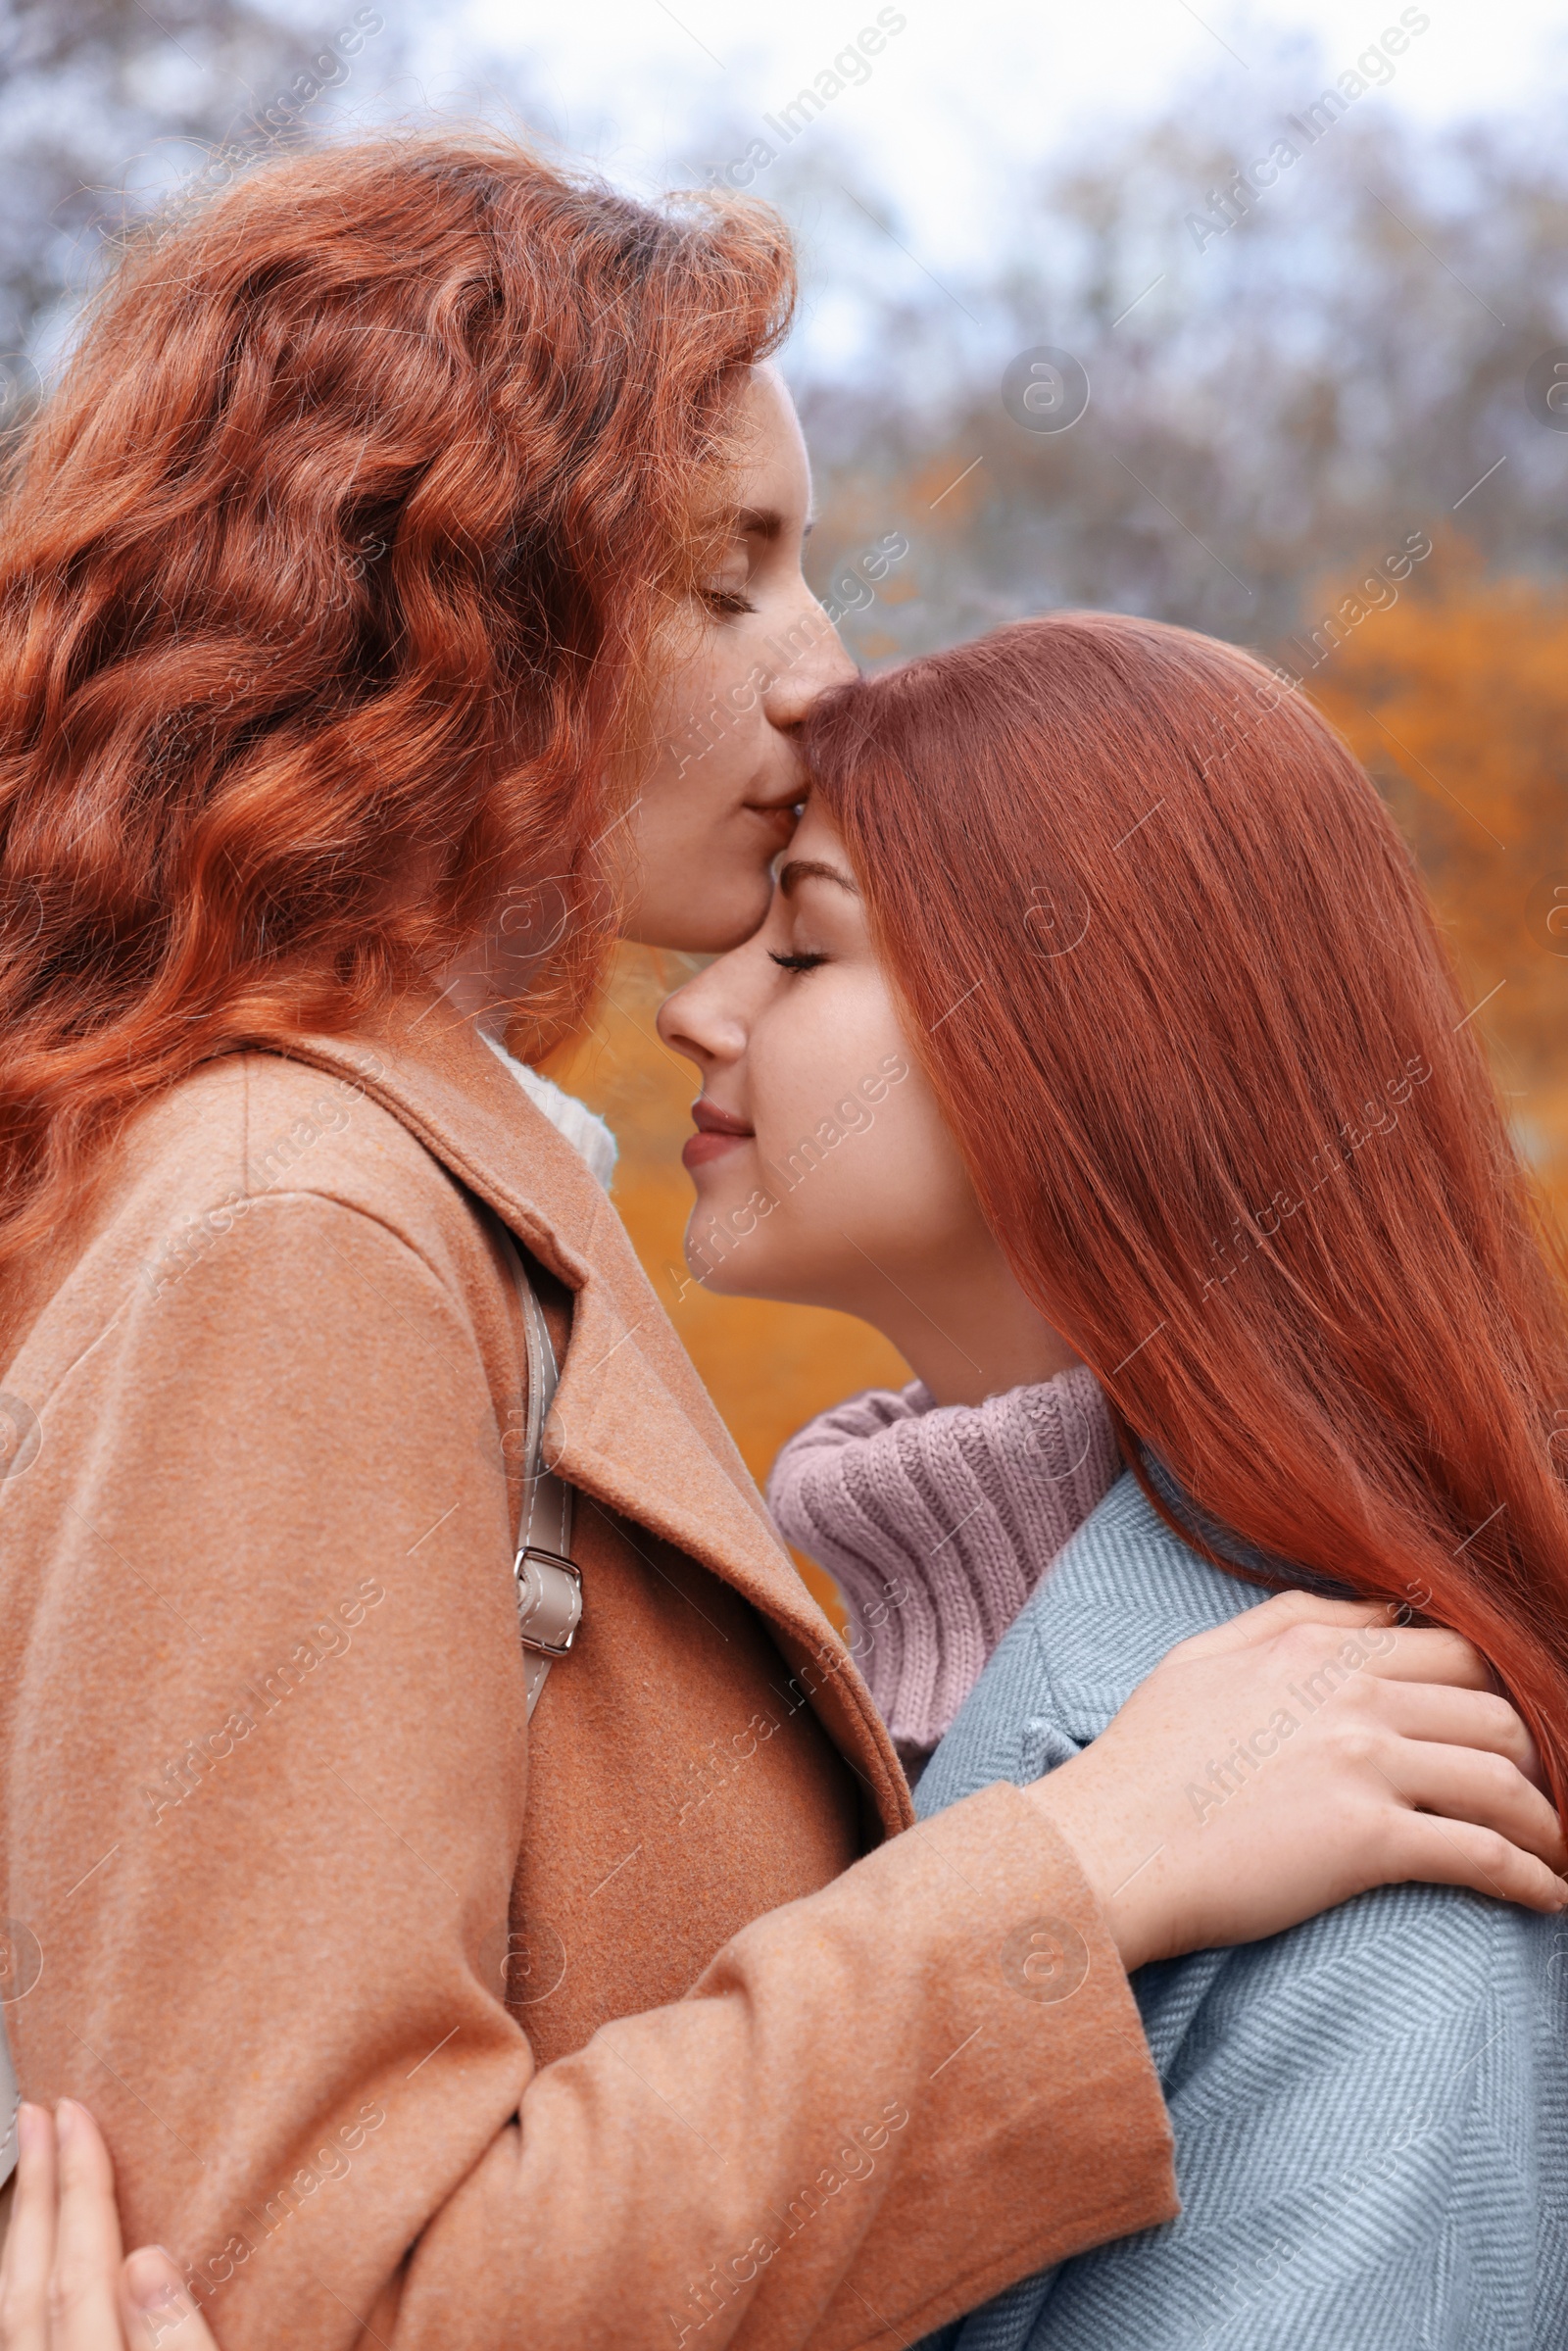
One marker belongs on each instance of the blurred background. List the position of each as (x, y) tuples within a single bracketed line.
[(1254, 319)]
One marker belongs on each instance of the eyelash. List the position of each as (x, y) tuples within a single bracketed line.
[(727, 601), (795, 962)]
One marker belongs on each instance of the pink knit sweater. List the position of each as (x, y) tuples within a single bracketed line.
[(937, 1522)]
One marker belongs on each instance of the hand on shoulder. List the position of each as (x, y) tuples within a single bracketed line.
[(1411, 1766)]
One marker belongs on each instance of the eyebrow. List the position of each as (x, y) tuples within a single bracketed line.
[(766, 523), (812, 869)]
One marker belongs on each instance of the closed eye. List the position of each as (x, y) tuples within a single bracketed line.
[(795, 962)]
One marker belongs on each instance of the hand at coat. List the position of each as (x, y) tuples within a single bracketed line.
[(63, 2285)]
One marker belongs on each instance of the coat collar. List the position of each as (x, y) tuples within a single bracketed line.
[(632, 1424)]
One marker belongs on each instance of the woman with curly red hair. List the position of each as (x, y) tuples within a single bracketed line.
[(395, 519)]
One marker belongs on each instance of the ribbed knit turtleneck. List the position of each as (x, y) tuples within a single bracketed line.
[(937, 1522)]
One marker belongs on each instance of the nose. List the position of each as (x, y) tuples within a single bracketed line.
[(813, 659), (706, 1021)]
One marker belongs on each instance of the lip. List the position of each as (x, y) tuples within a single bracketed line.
[(717, 1133), (777, 814)]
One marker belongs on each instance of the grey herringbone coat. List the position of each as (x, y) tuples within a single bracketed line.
[(1371, 2110)]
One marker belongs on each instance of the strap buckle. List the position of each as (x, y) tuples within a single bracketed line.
[(549, 1600)]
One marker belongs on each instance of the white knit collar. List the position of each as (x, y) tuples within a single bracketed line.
[(583, 1128)]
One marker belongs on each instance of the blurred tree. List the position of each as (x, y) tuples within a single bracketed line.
[(1345, 364), (106, 106)]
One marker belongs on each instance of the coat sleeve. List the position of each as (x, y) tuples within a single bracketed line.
[(265, 1752)]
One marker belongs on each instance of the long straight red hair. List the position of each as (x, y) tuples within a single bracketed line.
[(332, 580), (1180, 995)]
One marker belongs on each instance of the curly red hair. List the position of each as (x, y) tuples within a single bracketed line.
[(332, 581)]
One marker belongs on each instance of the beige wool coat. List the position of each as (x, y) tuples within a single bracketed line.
[(655, 2021)]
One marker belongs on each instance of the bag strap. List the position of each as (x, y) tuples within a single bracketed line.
[(549, 1583)]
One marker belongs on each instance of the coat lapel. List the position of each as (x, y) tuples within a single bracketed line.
[(632, 1424)]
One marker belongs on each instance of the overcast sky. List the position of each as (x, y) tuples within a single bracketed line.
[(970, 90)]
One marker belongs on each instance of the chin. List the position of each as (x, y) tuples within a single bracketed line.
[(724, 915), (736, 1278), (761, 1263), (729, 1264)]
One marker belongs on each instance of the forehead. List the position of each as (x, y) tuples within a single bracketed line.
[(816, 836), (773, 470)]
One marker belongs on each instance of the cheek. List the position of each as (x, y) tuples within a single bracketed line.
[(893, 1193), (692, 858), (712, 720), (859, 1167), (814, 1062)]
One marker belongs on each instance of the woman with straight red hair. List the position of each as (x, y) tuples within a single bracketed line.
[(1101, 1049), (441, 1837)]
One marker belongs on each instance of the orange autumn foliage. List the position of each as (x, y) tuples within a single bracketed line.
[(1456, 701)]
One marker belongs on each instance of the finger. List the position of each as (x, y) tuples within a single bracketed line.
[(1439, 1656), (1445, 1852), (83, 2291), (1479, 1790), (30, 2238), (1430, 1655), (1389, 1653), (1398, 1652), (1278, 1615), (159, 2312), (1458, 1718)]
